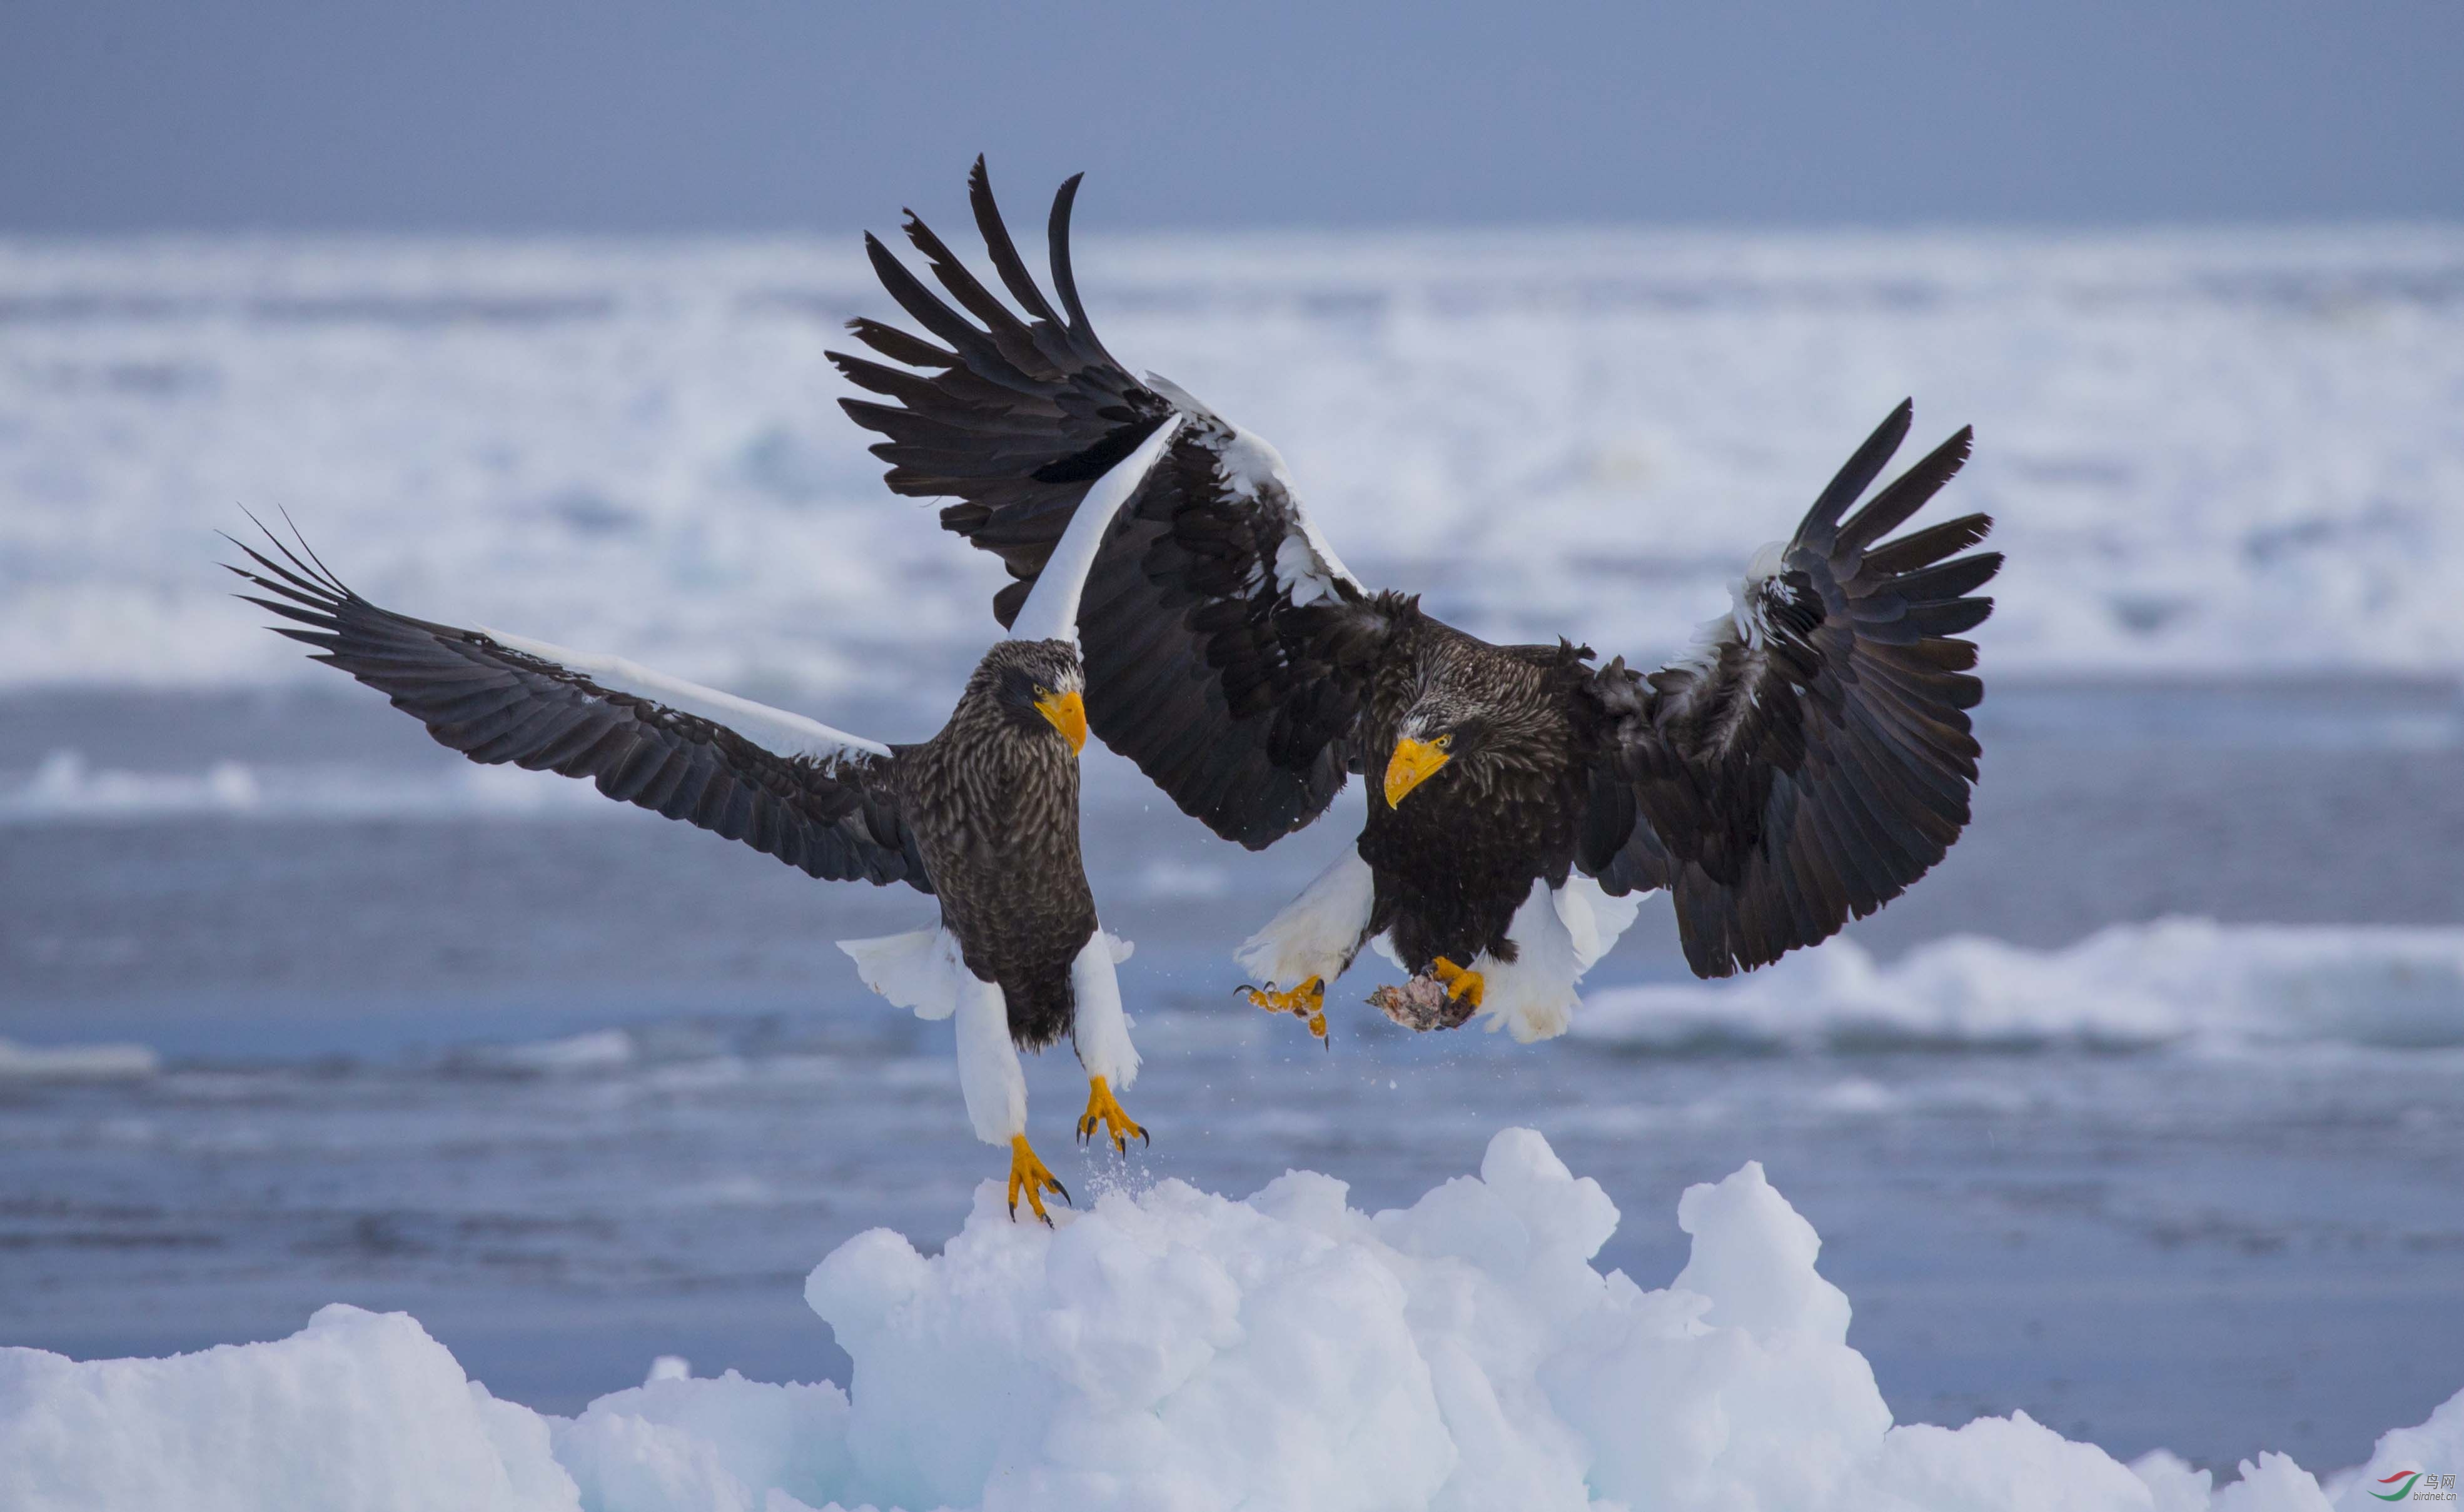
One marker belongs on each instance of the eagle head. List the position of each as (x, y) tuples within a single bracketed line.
[(1039, 684), (1486, 720), (1441, 730)]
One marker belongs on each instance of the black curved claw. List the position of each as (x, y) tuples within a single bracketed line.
[(1065, 1196)]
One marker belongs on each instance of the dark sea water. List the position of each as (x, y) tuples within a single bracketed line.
[(581, 1088)]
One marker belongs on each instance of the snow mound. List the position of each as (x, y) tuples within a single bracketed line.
[(724, 1445), (2176, 980), (357, 1410), (1166, 1349)]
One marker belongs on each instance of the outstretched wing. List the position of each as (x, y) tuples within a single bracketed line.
[(785, 785), (1811, 757), (1226, 645)]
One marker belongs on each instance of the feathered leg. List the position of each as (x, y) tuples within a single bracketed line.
[(1312, 941), (1102, 1032), (995, 1086), (1558, 934)]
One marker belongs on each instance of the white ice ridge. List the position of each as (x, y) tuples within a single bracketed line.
[(2228, 450), (1167, 1349), (77, 1063), (2176, 980), (67, 787)]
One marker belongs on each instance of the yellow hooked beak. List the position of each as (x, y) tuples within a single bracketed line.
[(1067, 713), (1413, 763)]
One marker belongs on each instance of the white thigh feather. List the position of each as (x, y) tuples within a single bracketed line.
[(1101, 1028), (1558, 934), (1317, 934), (989, 1075)]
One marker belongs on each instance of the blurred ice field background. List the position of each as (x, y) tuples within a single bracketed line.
[(300, 1008)]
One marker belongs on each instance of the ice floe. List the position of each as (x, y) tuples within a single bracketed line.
[(1166, 1349), (2188, 981), (2206, 451), (67, 787), (77, 1063)]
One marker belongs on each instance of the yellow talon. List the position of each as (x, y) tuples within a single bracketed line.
[(1460, 982), (1027, 1173), (1305, 1002), (1103, 1109)]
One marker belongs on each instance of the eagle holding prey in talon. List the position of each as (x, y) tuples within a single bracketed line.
[(1807, 761), (984, 815)]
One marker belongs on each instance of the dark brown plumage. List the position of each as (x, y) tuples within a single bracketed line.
[(993, 802), (1458, 857), (984, 813), (1806, 763)]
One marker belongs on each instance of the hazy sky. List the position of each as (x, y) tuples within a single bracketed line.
[(617, 115)]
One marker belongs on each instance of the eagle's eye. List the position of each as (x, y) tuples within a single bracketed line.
[(1042, 693), (1443, 742)]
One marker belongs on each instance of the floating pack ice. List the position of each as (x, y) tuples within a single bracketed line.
[(2189, 980), (1166, 1349), (651, 411)]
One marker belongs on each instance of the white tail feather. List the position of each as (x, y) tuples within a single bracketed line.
[(1594, 919), (921, 970)]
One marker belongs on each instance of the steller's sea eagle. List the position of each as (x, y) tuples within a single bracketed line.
[(1808, 760), (983, 815)]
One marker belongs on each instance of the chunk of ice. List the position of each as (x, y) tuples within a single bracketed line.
[(1163, 1350)]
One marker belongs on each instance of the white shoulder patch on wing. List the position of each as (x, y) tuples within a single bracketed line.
[(1305, 573), (774, 730), (1306, 567), (1250, 464), (1746, 623), (1331, 566), (1182, 400), (1746, 595)]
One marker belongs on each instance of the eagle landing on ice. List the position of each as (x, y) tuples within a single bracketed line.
[(1802, 765), (983, 815)]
